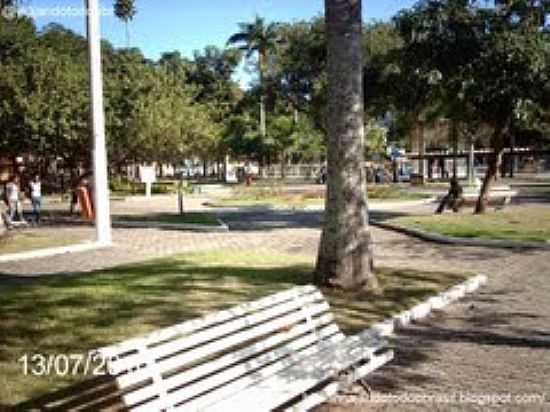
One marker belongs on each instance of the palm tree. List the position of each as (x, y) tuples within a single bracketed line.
[(125, 10), (345, 257), (257, 37)]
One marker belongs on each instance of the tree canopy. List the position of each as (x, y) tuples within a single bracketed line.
[(479, 66)]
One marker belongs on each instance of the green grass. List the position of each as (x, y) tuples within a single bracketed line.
[(72, 315), (26, 240), (276, 195), (124, 187), (270, 195), (514, 223), (194, 218), (393, 192)]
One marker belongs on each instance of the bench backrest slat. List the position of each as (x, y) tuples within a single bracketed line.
[(200, 361), (197, 357), (190, 326), (166, 365), (215, 332)]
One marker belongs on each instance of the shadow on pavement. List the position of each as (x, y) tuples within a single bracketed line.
[(255, 219)]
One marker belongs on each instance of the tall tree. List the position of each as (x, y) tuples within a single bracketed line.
[(509, 74), (258, 37), (125, 10), (345, 257)]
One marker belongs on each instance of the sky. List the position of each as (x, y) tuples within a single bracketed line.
[(188, 25)]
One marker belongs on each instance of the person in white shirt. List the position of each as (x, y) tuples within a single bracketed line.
[(36, 197), (12, 196)]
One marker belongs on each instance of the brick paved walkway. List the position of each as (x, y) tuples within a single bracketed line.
[(495, 342), (134, 245)]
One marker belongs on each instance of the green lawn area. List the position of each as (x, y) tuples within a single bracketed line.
[(194, 218), (513, 223), (24, 240), (278, 196), (393, 192), (72, 315)]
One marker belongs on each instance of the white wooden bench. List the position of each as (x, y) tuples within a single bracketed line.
[(281, 352)]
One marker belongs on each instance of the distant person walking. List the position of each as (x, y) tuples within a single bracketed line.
[(36, 197)]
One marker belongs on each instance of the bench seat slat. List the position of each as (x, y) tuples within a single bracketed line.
[(333, 388), (164, 350), (116, 350), (233, 379), (298, 378), (249, 381), (141, 375)]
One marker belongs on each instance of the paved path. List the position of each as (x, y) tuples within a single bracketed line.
[(496, 342)]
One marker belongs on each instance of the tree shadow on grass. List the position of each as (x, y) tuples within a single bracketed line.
[(95, 394)]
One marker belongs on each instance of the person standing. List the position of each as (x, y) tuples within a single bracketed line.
[(36, 197), (5, 222), (12, 196)]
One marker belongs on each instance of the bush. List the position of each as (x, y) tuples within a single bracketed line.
[(258, 192), (124, 186)]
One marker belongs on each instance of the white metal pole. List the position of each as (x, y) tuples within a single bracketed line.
[(101, 192)]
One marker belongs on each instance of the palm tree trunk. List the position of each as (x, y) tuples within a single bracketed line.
[(127, 34), (262, 59), (263, 128), (345, 257)]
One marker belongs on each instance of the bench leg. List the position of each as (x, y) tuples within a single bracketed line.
[(352, 371), (365, 386)]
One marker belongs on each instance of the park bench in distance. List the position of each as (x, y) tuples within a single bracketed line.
[(284, 350)]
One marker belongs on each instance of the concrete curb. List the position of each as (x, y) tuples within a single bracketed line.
[(402, 319), (222, 227), (389, 205), (451, 240), (41, 253)]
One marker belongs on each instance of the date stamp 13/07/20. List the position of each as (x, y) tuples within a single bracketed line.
[(38, 364)]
